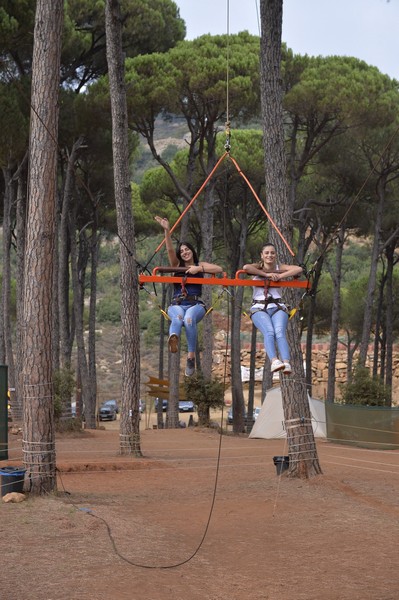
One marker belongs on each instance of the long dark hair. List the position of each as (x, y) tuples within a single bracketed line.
[(181, 261)]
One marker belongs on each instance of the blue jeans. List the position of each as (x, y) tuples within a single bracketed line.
[(188, 315), (273, 325)]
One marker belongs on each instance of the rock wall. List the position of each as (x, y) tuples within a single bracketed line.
[(319, 366)]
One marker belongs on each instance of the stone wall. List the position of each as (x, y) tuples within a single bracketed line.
[(320, 371), (319, 366)]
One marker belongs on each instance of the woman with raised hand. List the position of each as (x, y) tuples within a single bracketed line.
[(187, 307)]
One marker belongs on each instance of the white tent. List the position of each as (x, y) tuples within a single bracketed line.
[(270, 421)]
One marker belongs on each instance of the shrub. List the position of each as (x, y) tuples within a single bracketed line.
[(205, 394), (365, 390), (109, 309), (64, 386)]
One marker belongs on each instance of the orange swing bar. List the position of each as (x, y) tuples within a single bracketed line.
[(158, 276)]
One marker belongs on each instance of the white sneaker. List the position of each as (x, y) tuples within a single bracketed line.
[(276, 365), (287, 368)]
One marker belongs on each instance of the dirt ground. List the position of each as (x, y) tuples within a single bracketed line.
[(122, 528)]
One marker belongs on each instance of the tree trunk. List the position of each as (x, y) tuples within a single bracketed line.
[(368, 307), (172, 415), (63, 272), (78, 268), (130, 415), (207, 237), (379, 326), (238, 403), (9, 201), (389, 318), (94, 253), (251, 386), (336, 275), (38, 428), (17, 407), (55, 334), (302, 448), (310, 325)]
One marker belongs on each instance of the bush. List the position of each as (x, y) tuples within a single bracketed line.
[(365, 390), (109, 309), (64, 386), (205, 394)]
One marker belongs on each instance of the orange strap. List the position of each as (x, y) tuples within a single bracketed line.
[(221, 159), (261, 205)]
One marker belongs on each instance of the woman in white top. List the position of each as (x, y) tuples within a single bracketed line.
[(268, 312)]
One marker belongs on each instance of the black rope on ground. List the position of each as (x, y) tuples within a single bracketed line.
[(133, 563)]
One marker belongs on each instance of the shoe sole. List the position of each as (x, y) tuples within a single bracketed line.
[(277, 369), (173, 343)]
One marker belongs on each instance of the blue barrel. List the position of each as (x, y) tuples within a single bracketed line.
[(12, 480)]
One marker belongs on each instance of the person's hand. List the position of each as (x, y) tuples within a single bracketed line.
[(163, 221), (275, 276), (194, 270)]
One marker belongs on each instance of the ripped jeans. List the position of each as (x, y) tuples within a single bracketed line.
[(188, 315), (273, 325)]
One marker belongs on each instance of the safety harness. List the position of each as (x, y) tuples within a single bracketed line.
[(185, 297), (269, 300)]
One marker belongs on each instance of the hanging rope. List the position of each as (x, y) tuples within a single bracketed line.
[(227, 144)]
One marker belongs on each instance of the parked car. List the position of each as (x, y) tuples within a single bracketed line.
[(107, 412), (113, 403), (186, 406), (164, 404), (254, 415)]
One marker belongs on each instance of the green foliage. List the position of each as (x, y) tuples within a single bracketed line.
[(204, 393), (64, 385), (108, 277), (143, 218), (323, 305), (109, 252), (150, 323), (365, 390), (109, 308), (353, 296), (353, 90), (14, 121), (148, 26), (355, 261)]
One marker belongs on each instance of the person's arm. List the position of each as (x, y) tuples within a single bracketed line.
[(204, 267), (172, 257), (284, 272), (253, 269), (290, 271)]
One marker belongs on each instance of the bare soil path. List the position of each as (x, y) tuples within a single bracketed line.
[(334, 537)]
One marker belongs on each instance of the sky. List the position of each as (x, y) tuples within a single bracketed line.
[(365, 29)]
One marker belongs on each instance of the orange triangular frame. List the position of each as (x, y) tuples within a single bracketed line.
[(224, 281)]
